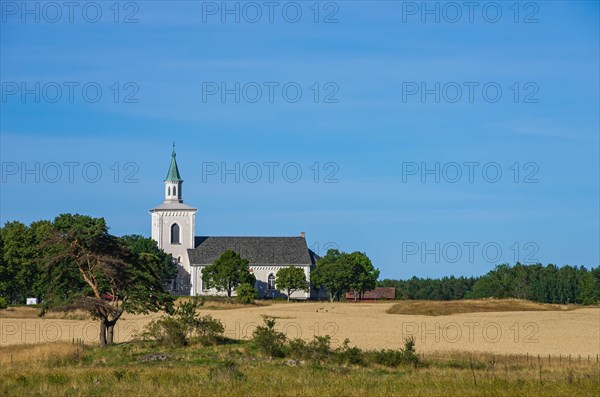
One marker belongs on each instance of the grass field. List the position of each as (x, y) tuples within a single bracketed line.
[(466, 348), (233, 369), (368, 325)]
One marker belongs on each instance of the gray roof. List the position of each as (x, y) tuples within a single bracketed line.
[(173, 206), (258, 250)]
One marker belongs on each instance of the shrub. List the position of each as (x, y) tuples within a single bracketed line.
[(394, 358), (316, 350), (268, 340), (184, 324), (208, 330), (297, 348), (351, 355), (166, 331), (3, 303), (246, 294), (319, 348)]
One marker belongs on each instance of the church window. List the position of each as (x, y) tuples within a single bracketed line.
[(203, 283), (169, 191), (174, 191), (176, 283), (271, 282), (175, 234)]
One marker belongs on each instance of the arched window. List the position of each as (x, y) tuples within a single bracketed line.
[(271, 281), (174, 191), (175, 234), (169, 191)]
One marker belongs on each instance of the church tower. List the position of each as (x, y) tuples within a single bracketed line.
[(174, 226)]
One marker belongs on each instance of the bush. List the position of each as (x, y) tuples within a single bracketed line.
[(351, 355), (3, 303), (208, 330), (268, 340), (183, 325), (167, 331), (316, 350), (394, 358), (246, 294)]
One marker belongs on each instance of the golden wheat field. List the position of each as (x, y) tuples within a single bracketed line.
[(530, 329)]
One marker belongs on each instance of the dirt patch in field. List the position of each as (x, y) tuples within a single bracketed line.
[(444, 308)]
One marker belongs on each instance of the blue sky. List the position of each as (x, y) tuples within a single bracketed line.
[(367, 133)]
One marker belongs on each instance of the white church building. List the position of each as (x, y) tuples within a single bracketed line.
[(174, 229)]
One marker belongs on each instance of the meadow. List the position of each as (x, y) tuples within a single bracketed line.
[(461, 353)]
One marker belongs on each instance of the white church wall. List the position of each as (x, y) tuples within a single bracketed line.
[(262, 275)]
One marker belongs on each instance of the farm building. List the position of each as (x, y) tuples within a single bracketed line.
[(386, 293)]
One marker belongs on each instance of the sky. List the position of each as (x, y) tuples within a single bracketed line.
[(437, 138)]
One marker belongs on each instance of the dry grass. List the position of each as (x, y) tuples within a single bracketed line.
[(367, 325), (34, 312), (444, 308), (224, 303), (47, 354)]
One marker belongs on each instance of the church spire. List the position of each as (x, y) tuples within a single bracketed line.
[(173, 181), (173, 174)]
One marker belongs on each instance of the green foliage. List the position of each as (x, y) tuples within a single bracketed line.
[(351, 355), (167, 331), (3, 303), (394, 358), (340, 272), (19, 261), (84, 267), (547, 284), (268, 340), (246, 294), (185, 326), (139, 246), (290, 279), (228, 272)]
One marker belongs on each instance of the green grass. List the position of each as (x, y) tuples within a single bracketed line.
[(236, 368)]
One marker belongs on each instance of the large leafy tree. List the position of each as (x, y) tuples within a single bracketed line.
[(332, 273), (89, 269), (227, 272), (18, 267), (291, 279), (138, 245), (364, 273), (340, 272)]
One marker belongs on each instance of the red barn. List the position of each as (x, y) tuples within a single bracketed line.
[(387, 293)]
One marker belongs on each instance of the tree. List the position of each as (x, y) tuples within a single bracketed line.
[(291, 279), (227, 272), (333, 273), (364, 276), (18, 269), (166, 266), (246, 293), (89, 269)]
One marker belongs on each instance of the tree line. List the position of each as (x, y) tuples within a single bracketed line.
[(547, 284)]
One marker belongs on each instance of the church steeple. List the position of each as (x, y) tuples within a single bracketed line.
[(173, 181)]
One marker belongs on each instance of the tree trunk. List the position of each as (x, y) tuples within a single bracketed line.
[(103, 333), (289, 293), (110, 332)]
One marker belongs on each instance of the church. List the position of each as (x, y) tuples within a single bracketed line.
[(174, 229)]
